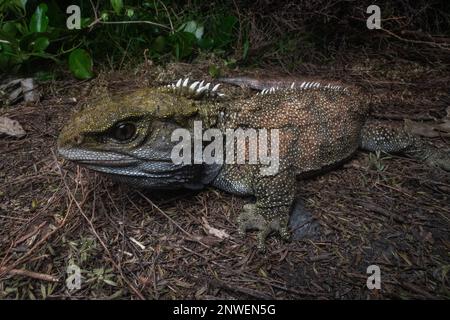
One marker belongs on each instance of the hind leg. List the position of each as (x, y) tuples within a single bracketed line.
[(392, 140)]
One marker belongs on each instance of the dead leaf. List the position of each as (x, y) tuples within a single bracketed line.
[(405, 258), (221, 234), (30, 94), (11, 127), (183, 284)]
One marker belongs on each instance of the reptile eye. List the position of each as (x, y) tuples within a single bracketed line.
[(124, 131)]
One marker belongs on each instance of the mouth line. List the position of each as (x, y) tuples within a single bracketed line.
[(123, 165), (133, 174), (109, 163)]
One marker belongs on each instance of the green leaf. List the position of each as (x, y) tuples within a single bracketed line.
[(224, 33), (21, 3), (80, 64), (230, 63), (214, 71), (85, 22), (182, 44), (22, 27), (193, 27), (32, 42), (104, 16), (130, 13), (245, 48), (16, 7), (228, 23), (117, 5), (159, 44), (199, 32), (39, 19), (40, 44), (206, 43), (9, 28), (10, 58)]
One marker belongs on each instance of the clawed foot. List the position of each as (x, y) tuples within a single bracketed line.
[(251, 219)]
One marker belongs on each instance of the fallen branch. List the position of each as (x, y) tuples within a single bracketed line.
[(31, 274)]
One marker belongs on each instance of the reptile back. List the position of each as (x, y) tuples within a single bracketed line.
[(317, 127)]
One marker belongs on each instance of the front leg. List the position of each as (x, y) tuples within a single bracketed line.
[(274, 199)]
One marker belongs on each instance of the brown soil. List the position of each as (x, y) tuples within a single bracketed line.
[(154, 245)]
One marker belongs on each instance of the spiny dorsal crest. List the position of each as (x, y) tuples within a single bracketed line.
[(305, 85), (195, 90)]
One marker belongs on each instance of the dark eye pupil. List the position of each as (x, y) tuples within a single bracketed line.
[(124, 131)]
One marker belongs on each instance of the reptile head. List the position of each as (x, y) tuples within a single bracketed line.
[(129, 137)]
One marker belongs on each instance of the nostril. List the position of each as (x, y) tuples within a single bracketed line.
[(78, 139)]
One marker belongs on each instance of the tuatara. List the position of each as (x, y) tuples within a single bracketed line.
[(128, 136)]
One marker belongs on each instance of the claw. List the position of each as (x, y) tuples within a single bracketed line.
[(251, 219), (262, 236), (285, 234), (261, 245)]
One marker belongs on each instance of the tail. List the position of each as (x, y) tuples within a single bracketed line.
[(392, 140)]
